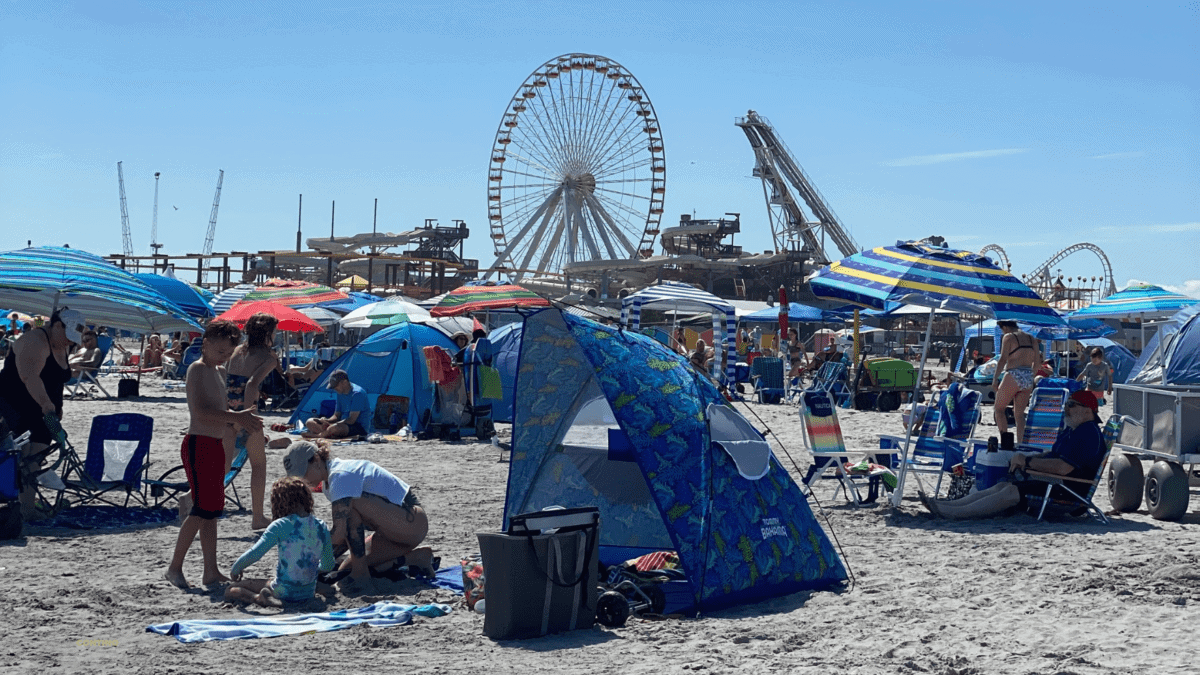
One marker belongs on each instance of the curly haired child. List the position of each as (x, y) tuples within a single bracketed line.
[(305, 548)]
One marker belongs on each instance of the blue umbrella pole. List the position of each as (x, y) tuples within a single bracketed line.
[(912, 416)]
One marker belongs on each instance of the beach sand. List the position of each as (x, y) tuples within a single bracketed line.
[(996, 596)]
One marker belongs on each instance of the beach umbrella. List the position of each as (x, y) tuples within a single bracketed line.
[(229, 297), (918, 273), (354, 281), (385, 313), (798, 313), (481, 297), (290, 320), (324, 317), (783, 315), (181, 293), (295, 294), (1144, 301), (41, 279)]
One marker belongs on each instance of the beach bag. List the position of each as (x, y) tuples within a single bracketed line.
[(542, 573), (473, 581)]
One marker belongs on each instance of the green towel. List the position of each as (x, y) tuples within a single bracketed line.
[(489, 383)]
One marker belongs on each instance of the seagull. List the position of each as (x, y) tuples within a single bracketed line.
[(175, 207)]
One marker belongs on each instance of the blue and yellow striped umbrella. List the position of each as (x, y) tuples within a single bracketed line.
[(1146, 301), (918, 273), (39, 280)]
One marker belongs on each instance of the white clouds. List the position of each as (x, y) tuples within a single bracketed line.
[(921, 160), (1191, 287), (1120, 155), (1176, 227)]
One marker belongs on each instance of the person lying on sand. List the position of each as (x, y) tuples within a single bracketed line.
[(305, 548), (1077, 453), (365, 496)]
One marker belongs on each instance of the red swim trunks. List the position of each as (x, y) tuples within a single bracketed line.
[(204, 461)]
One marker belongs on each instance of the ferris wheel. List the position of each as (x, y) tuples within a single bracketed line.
[(577, 169)]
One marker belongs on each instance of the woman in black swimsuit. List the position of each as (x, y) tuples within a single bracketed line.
[(32, 380)]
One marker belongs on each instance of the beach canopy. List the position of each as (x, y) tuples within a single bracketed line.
[(1145, 301), (385, 313), (183, 294), (917, 273), (388, 363), (672, 295), (290, 320), (612, 419), (798, 313), (486, 296), (41, 279)]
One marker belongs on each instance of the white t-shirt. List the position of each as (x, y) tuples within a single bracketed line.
[(355, 477)]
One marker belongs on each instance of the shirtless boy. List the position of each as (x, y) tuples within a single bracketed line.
[(203, 451)]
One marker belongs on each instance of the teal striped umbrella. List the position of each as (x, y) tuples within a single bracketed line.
[(1145, 300), (41, 279)]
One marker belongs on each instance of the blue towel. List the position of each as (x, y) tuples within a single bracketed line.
[(448, 578), (379, 614)]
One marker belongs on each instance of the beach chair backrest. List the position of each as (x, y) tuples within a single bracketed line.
[(829, 374), (821, 426), (959, 408), (1044, 419), (117, 447), (190, 355)]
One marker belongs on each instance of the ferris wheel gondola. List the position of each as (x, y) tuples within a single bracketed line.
[(578, 170)]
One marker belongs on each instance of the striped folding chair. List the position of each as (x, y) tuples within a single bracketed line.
[(1044, 419), (823, 437), (766, 373), (1073, 496), (938, 445)]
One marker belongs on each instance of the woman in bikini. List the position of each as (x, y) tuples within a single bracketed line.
[(249, 366), (1013, 380)]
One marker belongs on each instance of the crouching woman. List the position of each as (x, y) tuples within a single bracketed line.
[(365, 497)]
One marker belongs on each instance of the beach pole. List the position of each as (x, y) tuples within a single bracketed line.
[(912, 416)]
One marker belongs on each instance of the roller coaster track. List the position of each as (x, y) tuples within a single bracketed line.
[(777, 167), (1108, 285), (990, 248)]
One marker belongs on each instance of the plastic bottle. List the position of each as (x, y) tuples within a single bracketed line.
[(404, 434)]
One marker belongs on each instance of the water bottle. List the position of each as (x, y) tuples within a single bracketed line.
[(404, 434)]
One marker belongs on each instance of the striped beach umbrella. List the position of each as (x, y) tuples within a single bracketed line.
[(229, 297), (38, 280), (1146, 301), (482, 297), (918, 273), (294, 294), (384, 313)]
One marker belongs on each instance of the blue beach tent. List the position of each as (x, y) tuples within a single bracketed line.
[(506, 349), (1176, 359), (389, 362), (612, 419)]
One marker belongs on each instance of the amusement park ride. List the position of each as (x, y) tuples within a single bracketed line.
[(1064, 292)]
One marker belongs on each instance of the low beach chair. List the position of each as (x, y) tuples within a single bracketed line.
[(823, 438), (117, 452), (766, 374), (1073, 496), (174, 483), (78, 386), (1044, 419), (179, 371), (938, 446)]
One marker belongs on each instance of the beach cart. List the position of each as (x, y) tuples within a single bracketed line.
[(1162, 425), (880, 382)]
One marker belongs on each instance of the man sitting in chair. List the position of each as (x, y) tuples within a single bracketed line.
[(88, 356), (351, 417), (1077, 453)]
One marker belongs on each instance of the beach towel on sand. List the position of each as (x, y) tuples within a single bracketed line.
[(380, 614)]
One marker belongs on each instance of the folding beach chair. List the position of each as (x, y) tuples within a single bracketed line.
[(281, 394), (190, 355), (766, 374), (938, 445), (1044, 419), (831, 377), (823, 438), (1073, 496), (174, 483), (118, 447), (78, 386)]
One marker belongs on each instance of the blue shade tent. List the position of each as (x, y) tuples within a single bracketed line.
[(796, 313), (179, 292), (918, 273), (612, 419), (389, 362), (506, 351), (1153, 353), (40, 279)]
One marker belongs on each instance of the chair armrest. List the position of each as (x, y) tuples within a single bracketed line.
[(1051, 477)]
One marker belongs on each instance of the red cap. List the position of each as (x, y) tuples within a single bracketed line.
[(1086, 398)]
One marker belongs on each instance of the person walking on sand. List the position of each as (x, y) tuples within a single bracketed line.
[(249, 366), (203, 450), (365, 496)]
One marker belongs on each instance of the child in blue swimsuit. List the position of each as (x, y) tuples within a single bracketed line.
[(305, 549)]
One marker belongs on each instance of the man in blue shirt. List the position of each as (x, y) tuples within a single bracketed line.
[(351, 417)]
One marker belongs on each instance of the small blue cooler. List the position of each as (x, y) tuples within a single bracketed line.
[(991, 468)]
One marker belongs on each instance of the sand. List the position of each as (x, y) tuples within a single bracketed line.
[(996, 596)]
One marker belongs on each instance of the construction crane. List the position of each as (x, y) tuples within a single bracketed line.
[(212, 226), (790, 228), (154, 245), (126, 239)]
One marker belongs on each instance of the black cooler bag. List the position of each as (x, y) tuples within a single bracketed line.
[(542, 573)]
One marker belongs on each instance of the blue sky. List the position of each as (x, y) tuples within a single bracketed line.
[(1030, 125)]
